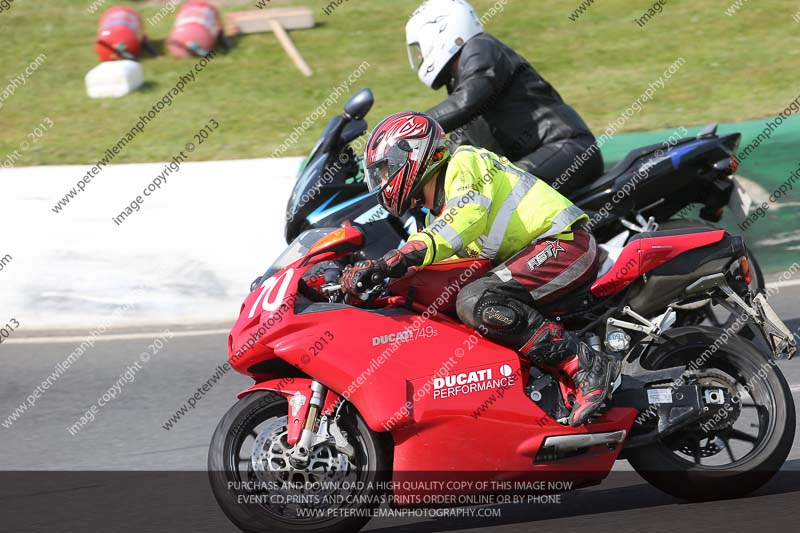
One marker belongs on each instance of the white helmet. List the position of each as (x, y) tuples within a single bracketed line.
[(436, 31)]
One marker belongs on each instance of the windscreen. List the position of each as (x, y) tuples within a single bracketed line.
[(297, 249)]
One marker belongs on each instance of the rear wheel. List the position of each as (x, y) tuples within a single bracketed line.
[(259, 489), (735, 447)]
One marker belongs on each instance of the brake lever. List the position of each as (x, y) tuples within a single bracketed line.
[(371, 293)]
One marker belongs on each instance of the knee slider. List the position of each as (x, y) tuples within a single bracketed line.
[(468, 299), (497, 313)]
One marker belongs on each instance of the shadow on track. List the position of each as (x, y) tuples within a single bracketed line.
[(638, 507)]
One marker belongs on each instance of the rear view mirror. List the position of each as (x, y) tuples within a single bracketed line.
[(340, 241), (359, 104)]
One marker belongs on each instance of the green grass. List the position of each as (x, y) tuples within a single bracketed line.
[(736, 68)]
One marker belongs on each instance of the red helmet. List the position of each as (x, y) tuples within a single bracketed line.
[(403, 153)]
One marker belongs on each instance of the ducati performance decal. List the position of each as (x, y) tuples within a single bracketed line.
[(407, 335), (550, 251), (469, 382)]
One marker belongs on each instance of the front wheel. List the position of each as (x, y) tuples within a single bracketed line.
[(735, 447), (259, 489)]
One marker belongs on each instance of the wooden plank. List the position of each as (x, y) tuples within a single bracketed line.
[(289, 46), (291, 18)]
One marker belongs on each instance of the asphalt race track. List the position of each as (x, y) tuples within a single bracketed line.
[(128, 435)]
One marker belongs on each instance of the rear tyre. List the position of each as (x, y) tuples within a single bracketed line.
[(720, 456), (248, 468)]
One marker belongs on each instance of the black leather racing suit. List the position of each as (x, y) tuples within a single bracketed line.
[(499, 102)]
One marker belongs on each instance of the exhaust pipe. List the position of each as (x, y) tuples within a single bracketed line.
[(558, 446)]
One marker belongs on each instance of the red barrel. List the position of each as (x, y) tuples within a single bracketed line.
[(119, 34), (197, 27)]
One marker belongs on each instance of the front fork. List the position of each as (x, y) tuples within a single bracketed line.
[(300, 452), (315, 424)]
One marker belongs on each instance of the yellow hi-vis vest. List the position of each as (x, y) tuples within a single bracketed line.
[(494, 209)]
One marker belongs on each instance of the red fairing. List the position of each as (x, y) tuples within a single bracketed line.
[(643, 255), (441, 281), (423, 378)]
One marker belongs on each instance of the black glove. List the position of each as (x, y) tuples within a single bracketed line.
[(363, 276)]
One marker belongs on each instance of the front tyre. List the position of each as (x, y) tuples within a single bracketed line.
[(258, 488), (737, 446)]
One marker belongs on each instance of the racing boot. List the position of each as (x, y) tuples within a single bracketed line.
[(593, 373), (549, 348), (597, 374)]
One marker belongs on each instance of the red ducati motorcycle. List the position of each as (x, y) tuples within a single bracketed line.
[(394, 401)]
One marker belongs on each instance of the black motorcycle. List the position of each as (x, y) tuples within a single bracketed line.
[(638, 195)]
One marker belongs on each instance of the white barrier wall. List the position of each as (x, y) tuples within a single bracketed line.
[(194, 246)]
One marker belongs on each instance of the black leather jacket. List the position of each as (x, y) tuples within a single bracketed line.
[(502, 103)]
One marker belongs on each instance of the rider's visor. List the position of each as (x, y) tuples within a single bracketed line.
[(381, 172), (415, 56), (377, 175)]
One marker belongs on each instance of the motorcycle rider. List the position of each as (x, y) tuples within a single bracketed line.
[(496, 99), (481, 205)]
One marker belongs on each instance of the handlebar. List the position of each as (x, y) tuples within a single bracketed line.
[(376, 279), (332, 288)]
